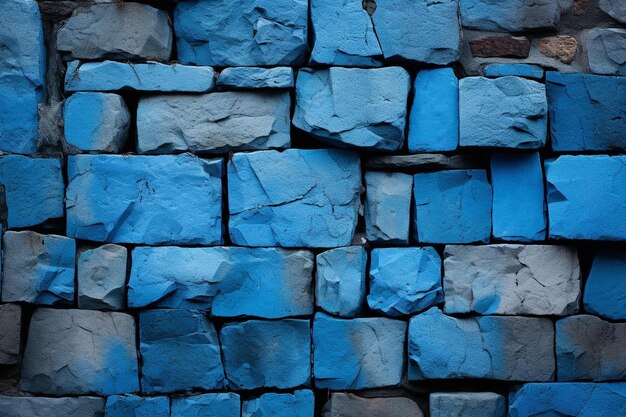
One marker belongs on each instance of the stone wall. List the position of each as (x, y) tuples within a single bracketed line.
[(254, 208)]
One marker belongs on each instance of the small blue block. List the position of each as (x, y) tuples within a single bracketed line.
[(254, 77), (135, 406), (299, 404), (388, 207), (605, 289), (534, 72), (207, 405)]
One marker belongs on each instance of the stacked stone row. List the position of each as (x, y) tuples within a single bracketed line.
[(267, 223)]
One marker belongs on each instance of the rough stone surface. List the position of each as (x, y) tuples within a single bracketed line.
[(605, 51), (511, 279), (340, 280), (250, 77), (110, 31), (562, 47), (343, 404), (507, 112), (512, 16), (605, 288), (210, 405), (172, 199), (135, 406), (421, 162), (216, 122), (241, 33), (101, 274), (38, 268), (467, 404), (503, 46), (273, 197), (47, 407), (614, 8), (180, 351), (10, 333), (531, 71), (501, 348), (77, 352), (388, 207), (333, 105), (358, 353), (299, 404)]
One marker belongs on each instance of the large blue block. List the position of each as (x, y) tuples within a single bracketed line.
[(180, 351), (207, 405), (404, 280), (299, 404), (434, 120), (587, 112), (519, 208), (586, 197), (241, 32), (254, 77), (33, 189), (531, 71), (358, 353), (510, 16), (301, 198), (267, 354), (145, 199), (605, 288), (452, 206), (353, 107), (135, 406), (388, 207)]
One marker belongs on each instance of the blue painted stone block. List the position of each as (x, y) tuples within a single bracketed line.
[(357, 353), (434, 120), (22, 73), (586, 197), (241, 32), (267, 354), (101, 277), (605, 50), (512, 16), (174, 199), (531, 71), (228, 281), (207, 405), (467, 404), (301, 198), (605, 288), (33, 189), (299, 404), (340, 280), (518, 197), (388, 207), (254, 77), (569, 399), (180, 351), (452, 206), (353, 107), (404, 280), (586, 112), (506, 112), (135, 406)]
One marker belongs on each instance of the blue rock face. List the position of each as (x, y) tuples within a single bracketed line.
[(46, 407), (531, 71), (228, 281), (586, 197), (514, 16), (37, 268), (614, 8), (507, 112), (491, 347), (22, 71), (388, 207), (267, 354), (467, 404), (272, 197), (101, 278), (241, 33), (207, 405), (172, 199), (333, 105), (605, 51), (519, 208), (33, 189), (251, 77), (135, 406), (340, 280), (434, 120), (605, 288), (404, 280), (452, 206), (358, 353), (299, 404), (180, 351), (586, 112)]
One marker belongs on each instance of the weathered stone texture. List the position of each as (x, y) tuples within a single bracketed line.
[(340, 280), (531, 71), (101, 276), (210, 405), (135, 406), (388, 207), (467, 404), (47, 407), (614, 8), (500, 46), (512, 16), (251, 77), (605, 51), (299, 404), (605, 288), (10, 333), (562, 47), (350, 405)]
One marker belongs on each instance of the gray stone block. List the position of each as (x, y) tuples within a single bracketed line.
[(388, 207), (605, 51), (10, 333), (510, 16), (343, 404), (467, 404), (614, 8), (102, 278), (51, 407)]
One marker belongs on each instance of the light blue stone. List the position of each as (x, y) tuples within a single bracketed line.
[(358, 353), (33, 189), (180, 351), (299, 404), (207, 405), (388, 207), (605, 50), (519, 208), (586, 112), (467, 404), (227, 281), (404, 281), (241, 32), (353, 107), (295, 198), (531, 71), (22, 74), (586, 197), (135, 406), (605, 288), (434, 120), (340, 280), (254, 77), (150, 76), (267, 354), (452, 206), (175, 199), (510, 16)]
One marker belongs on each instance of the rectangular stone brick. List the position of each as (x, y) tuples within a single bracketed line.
[(10, 333)]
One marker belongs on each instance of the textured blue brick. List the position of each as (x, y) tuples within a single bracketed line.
[(452, 206), (207, 405), (145, 199), (301, 198), (299, 404), (135, 406), (605, 288), (434, 120), (531, 71), (518, 197), (404, 280), (511, 16), (251, 77), (586, 197), (388, 207)]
